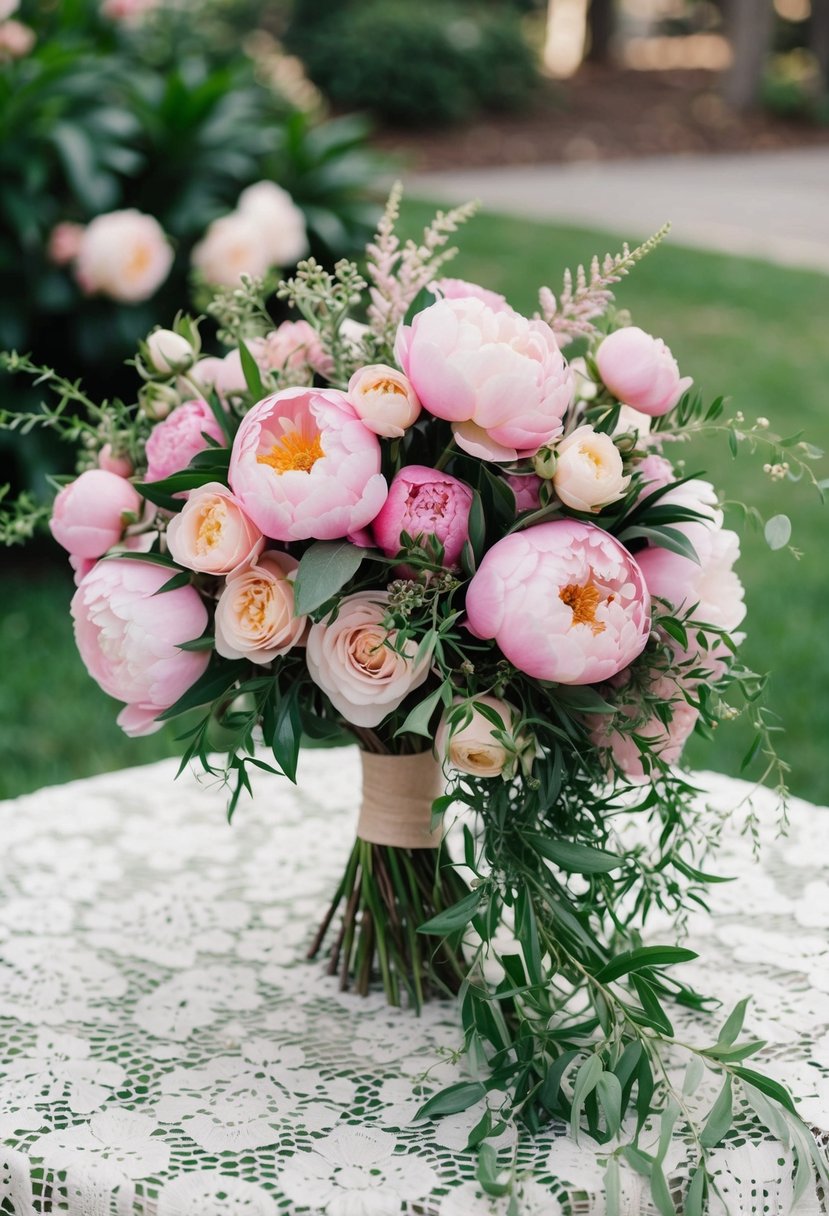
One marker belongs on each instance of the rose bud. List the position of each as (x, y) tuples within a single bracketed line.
[(589, 472), (169, 352), (88, 514), (384, 400), (640, 371)]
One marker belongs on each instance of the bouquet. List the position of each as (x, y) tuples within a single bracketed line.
[(407, 519)]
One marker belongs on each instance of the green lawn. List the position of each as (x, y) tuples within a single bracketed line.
[(742, 328)]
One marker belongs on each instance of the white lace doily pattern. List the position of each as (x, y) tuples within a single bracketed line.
[(165, 1050)]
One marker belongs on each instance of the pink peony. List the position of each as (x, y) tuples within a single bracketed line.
[(280, 223), (666, 742), (565, 601), (212, 534), (359, 665), (124, 255), (640, 371), (460, 289), (225, 375), (292, 348), (656, 473), (527, 490), (424, 502), (88, 514), (231, 247), (16, 40), (497, 377), (129, 637), (303, 465), (174, 442), (384, 400), (64, 243), (121, 466), (255, 613)]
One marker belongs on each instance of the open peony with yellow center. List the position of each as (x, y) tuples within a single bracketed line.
[(303, 465), (255, 613), (212, 534), (356, 663), (588, 473), (564, 601)]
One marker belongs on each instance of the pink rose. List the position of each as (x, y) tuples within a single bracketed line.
[(497, 377), (212, 534), (424, 502), (303, 465), (384, 399), (359, 665), (174, 442), (64, 243), (88, 516), (640, 371), (292, 348), (460, 289), (129, 637), (527, 489), (666, 742), (255, 612), (565, 601), (124, 255)]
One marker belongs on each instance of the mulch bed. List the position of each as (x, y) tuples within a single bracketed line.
[(606, 114)]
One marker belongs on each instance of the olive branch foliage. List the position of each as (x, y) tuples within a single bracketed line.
[(566, 1013)]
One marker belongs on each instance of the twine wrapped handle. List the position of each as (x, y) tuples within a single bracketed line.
[(398, 792)]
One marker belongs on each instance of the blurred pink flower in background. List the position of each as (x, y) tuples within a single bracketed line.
[(88, 514), (640, 371), (231, 247), (124, 255), (497, 377), (174, 442), (255, 612), (363, 678), (16, 39), (304, 465), (64, 243), (130, 12), (564, 601), (129, 636), (277, 218), (425, 502), (211, 533)]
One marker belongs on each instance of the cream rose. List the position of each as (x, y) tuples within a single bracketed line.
[(475, 748), (255, 612), (353, 661), (384, 399), (212, 534), (588, 473)]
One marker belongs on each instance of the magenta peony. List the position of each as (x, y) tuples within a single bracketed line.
[(358, 664), (497, 377), (88, 514), (174, 442), (640, 371), (565, 601), (212, 534), (129, 637), (303, 465), (424, 502)]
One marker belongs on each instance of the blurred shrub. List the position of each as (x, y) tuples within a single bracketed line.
[(413, 65), (101, 116)]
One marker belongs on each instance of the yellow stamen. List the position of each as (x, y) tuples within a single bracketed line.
[(386, 387), (293, 452), (210, 529), (583, 602)]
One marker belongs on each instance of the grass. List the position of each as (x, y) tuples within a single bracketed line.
[(741, 327)]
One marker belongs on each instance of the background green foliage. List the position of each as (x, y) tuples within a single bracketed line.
[(740, 327), (416, 64)]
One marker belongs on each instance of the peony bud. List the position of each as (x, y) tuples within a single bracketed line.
[(157, 400), (169, 352), (544, 463), (589, 473), (384, 399)]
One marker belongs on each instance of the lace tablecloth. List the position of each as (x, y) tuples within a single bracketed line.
[(165, 1050)]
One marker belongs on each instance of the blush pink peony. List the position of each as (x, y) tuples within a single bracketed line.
[(666, 742), (499, 378), (303, 465), (212, 534), (425, 502), (255, 612), (128, 636), (589, 473), (124, 255), (640, 371), (384, 399), (174, 442), (280, 223), (564, 601), (292, 348), (88, 516), (461, 289), (231, 247), (357, 664)]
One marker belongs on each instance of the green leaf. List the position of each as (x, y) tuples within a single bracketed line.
[(720, 1118), (452, 1100), (652, 1012), (612, 1186), (572, 857), (250, 368), (664, 537), (740, 1051), (778, 531), (213, 683), (488, 1175), (772, 1089), (587, 1078), (178, 580), (549, 1092), (456, 917), (661, 1192), (644, 956), (609, 1092), (527, 932), (698, 875), (695, 1195), (323, 570), (733, 1023), (418, 719), (287, 733), (477, 526)]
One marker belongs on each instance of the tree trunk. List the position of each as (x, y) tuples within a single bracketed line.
[(601, 24), (750, 24)]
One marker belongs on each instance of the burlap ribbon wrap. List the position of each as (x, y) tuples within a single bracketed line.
[(398, 792)]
